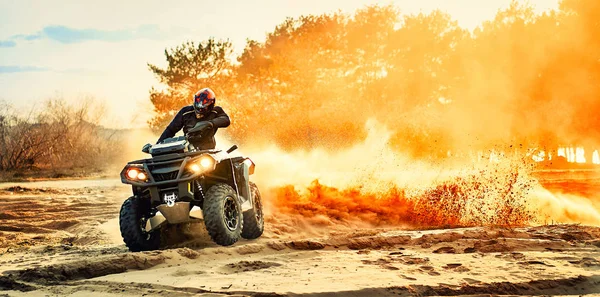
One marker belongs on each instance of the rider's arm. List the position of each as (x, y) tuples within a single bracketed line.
[(174, 127), (222, 119)]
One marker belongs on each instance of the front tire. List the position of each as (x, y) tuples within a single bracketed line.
[(132, 222), (222, 214), (254, 223)]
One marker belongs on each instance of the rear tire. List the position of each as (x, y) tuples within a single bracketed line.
[(132, 222), (222, 214), (254, 223)]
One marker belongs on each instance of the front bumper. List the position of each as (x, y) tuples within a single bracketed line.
[(176, 214)]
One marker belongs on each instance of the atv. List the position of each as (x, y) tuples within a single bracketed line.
[(178, 177)]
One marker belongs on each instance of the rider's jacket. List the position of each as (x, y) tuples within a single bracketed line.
[(186, 119)]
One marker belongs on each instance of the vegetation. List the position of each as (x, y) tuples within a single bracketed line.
[(521, 80), (56, 137)]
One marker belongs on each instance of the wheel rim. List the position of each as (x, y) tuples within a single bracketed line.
[(144, 229), (231, 214), (257, 206)]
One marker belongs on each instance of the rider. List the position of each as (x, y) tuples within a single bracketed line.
[(202, 110)]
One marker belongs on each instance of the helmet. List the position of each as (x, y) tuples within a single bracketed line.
[(204, 101)]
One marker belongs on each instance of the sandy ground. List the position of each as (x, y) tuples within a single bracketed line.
[(61, 238)]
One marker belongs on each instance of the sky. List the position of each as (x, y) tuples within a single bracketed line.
[(74, 49)]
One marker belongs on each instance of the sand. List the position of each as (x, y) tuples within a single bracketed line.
[(61, 239)]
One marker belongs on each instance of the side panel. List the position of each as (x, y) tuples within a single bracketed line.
[(223, 173), (242, 179)]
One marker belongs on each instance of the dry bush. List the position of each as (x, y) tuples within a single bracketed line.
[(57, 136)]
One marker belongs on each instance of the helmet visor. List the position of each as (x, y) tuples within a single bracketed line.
[(201, 103)]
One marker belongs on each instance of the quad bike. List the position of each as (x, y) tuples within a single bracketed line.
[(179, 177)]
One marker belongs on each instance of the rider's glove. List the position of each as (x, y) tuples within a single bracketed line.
[(209, 126), (205, 126), (199, 130)]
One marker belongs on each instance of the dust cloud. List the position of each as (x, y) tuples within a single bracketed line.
[(372, 184)]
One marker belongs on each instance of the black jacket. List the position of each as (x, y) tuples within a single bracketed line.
[(186, 119)]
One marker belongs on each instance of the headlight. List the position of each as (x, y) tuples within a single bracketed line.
[(195, 168), (136, 174), (132, 173), (207, 162), (142, 176), (203, 164)]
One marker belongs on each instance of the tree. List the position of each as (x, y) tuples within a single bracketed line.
[(521, 79), (190, 67)]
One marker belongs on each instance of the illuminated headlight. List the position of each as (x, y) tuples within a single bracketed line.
[(132, 173), (195, 168), (142, 176), (203, 164), (136, 174), (207, 162)]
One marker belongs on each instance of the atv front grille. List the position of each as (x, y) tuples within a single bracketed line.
[(165, 176)]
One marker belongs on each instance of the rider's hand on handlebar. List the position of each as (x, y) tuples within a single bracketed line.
[(204, 126), (198, 131), (209, 125)]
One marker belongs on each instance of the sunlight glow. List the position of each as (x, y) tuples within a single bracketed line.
[(539, 156), (574, 154), (579, 155), (495, 157), (570, 154)]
